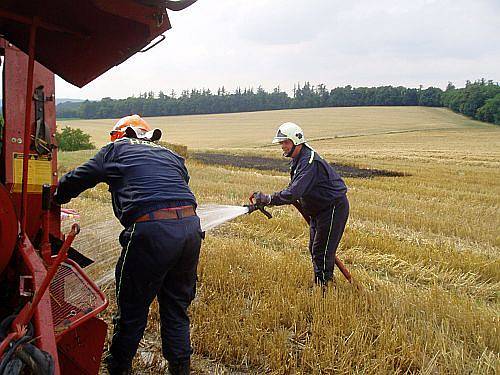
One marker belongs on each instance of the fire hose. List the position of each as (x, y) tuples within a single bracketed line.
[(22, 355)]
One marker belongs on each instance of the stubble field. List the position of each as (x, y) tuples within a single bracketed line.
[(423, 248)]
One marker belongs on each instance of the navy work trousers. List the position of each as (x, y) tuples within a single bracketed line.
[(159, 259), (326, 229)]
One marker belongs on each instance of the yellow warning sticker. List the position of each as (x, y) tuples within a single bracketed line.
[(39, 172)]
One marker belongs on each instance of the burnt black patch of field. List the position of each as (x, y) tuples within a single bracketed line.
[(282, 165)]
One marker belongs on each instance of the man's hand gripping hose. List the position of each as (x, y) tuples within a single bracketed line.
[(258, 201)]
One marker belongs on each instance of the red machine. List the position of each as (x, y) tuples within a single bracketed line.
[(48, 305)]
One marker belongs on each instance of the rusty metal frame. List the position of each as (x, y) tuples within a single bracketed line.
[(42, 312), (27, 124)]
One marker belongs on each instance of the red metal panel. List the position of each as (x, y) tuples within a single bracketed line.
[(95, 34), (15, 72), (80, 349), (9, 228), (43, 312), (28, 102)]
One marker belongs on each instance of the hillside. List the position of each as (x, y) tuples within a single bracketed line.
[(423, 248), (256, 129)]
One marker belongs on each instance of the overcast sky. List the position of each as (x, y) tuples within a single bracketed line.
[(273, 43)]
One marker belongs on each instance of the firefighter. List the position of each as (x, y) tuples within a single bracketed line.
[(320, 193), (161, 240)]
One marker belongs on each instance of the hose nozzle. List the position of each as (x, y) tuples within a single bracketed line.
[(253, 207)]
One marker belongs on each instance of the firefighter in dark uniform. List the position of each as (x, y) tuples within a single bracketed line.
[(320, 193), (161, 240)]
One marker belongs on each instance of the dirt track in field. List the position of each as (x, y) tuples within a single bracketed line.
[(261, 163)]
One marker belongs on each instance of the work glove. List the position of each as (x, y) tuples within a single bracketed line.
[(261, 199)]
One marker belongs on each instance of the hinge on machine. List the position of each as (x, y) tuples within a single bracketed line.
[(43, 145), (23, 289)]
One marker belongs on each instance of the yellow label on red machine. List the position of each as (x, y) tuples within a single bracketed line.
[(39, 172)]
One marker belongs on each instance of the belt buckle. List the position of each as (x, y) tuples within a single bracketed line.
[(179, 213)]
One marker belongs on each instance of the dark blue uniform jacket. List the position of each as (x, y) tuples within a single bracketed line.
[(142, 177), (313, 183)]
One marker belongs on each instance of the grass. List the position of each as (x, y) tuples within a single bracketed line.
[(423, 249), (255, 129)]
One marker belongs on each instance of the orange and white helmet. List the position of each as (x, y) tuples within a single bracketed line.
[(134, 126)]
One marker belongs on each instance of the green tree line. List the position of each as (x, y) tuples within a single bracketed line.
[(479, 100)]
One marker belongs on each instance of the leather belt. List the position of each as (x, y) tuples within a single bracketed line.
[(168, 213)]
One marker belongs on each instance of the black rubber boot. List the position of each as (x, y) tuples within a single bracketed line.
[(179, 368), (115, 368)]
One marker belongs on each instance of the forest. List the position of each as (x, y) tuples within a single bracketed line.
[(479, 100)]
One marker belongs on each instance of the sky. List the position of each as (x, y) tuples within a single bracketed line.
[(271, 43)]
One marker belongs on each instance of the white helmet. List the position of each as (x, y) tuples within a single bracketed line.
[(290, 131)]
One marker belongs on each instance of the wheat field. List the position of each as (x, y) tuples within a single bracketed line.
[(423, 249)]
